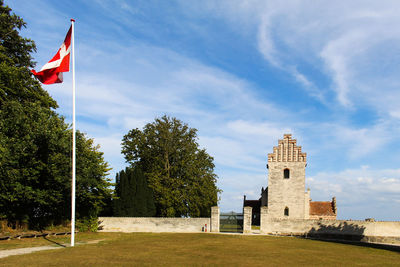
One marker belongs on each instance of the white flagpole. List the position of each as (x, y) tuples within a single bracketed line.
[(73, 138)]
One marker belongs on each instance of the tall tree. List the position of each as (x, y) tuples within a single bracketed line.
[(134, 198), (35, 143), (179, 172), (144, 195)]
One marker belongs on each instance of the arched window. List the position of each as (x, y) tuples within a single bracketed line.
[(286, 212), (286, 173)]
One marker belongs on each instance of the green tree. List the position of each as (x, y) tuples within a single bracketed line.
[(180, 174), (16, 82), (35, 143), (116, 202), (35, 168), (134, 198), (145, 197)]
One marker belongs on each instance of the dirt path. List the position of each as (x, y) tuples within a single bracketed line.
[(21, 251)]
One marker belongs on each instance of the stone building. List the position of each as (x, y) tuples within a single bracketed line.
[(285, 196)]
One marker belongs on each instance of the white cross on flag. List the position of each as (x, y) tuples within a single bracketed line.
[(52, 71)]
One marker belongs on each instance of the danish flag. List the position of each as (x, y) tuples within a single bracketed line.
[(52, 71)]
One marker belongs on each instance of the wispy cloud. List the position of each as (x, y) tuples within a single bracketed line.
[(343, 43)]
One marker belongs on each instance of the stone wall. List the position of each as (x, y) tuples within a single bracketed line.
[(130, 224), (379, 232), (307, 200), (324, 217)]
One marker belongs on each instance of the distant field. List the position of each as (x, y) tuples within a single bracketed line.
[(139, 249)]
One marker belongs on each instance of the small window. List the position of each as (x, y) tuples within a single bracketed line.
[(286, 173), (286, 212)]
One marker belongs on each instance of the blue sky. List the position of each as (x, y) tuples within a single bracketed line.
[(243, 73)]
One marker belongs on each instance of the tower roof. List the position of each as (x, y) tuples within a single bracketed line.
[(287, 151)]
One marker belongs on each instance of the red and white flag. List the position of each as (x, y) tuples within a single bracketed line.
[(52, 71)]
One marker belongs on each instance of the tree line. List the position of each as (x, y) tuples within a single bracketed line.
[(168, 174)]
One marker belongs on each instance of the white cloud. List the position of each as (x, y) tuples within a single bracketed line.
[(266, 43), (264, 130), (363, 141), (309, 86), (358, 187), (336, 60)]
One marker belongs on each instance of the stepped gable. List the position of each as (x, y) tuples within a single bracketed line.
[(322, 208), (287, 151)]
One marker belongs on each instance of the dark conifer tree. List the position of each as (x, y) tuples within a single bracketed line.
[(133, 196)]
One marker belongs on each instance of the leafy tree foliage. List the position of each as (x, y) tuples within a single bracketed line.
[(179, 172), (134, 198), (35, 143), (16, 82)]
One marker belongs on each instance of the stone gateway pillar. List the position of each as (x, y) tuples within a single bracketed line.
[(214, 219), (247, 219), (264, 220)]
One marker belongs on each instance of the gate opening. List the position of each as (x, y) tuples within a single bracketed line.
[(231, 222)]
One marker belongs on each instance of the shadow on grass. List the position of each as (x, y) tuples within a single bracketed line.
[(54, 242), (342, 231), (346, 233), (394, 248)]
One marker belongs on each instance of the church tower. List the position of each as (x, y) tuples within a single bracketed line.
[(286, 181)]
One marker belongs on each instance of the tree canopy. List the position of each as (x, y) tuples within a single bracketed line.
[(180, 174), (35, 143)]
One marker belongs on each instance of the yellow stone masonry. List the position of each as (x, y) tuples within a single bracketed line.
[(287, 151)]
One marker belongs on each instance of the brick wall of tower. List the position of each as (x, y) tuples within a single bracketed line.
[(290, 192)]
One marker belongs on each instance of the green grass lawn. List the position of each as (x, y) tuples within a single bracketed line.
[(140, 249)]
